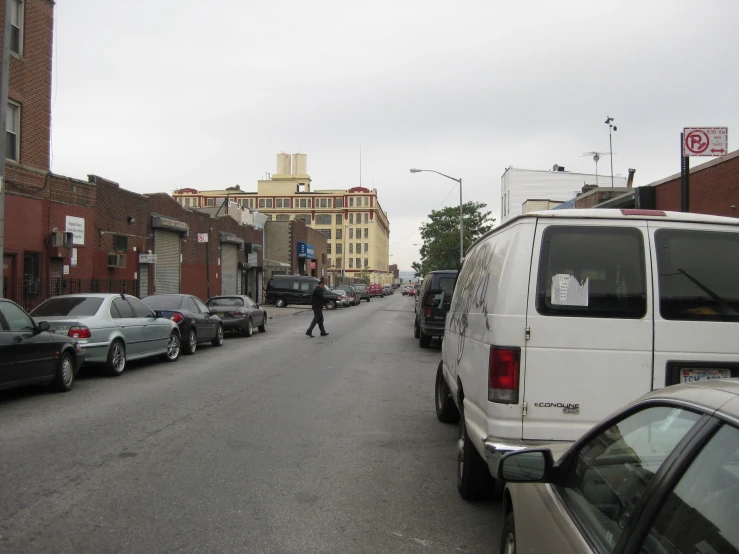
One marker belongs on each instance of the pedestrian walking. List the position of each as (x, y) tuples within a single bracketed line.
[(317, 303)]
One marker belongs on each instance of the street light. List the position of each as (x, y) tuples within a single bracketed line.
[(611, 129), (461, 221)]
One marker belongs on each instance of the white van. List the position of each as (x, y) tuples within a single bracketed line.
[(559, 318)]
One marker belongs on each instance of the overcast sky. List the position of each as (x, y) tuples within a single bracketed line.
[(164, 94)]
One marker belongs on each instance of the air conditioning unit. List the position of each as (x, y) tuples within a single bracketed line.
[(116, 260), (61, 239)]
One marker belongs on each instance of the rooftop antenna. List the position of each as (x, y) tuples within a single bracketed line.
[(596, 158), (360, 166)]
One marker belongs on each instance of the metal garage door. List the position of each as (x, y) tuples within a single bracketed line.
[(229, 269), (167, 268), (143, 280)]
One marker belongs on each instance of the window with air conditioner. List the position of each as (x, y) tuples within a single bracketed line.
[(116, 260)]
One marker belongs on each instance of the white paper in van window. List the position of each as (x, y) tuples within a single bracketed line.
[(567, 291)]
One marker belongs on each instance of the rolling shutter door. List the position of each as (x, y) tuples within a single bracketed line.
[(229, 268), (167, 268), (239, 287), (143, 280)]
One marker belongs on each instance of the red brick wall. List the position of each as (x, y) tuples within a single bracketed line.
[(712, 190), (30, 81)]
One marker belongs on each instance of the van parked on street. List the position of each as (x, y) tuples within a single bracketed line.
[(296, 289), (560, 317), (433, 303)]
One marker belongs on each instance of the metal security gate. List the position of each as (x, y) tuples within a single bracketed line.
[(143, 280), (239, 279), (229, 269), (167, 268)]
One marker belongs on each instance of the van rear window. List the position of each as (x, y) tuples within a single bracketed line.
[(698, 275), (588, 271)]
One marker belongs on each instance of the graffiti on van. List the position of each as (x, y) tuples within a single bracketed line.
[(470, 292)]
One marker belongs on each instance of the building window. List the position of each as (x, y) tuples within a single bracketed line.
[(366, 218), (338, 202), (366, 232), (323, 219), (328, 248), (323, 203), (351, 263), (359, 219), (261, 202), (339, 261), (351, 219), (366, 247), (339, 248), (326, 232), (195, 202), (339, 219), (16, 26), (359, 263), (304, 217), (351, 201), (211, 202), (283, 217), (269, 202), (351, 233), (251, 203), (268, 216), (366, 262), (12, 132), (366, 201), (359, 248), (279, 203), (120, 242), (351, 248), (339, 233)]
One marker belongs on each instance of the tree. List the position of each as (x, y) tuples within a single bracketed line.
[(418, 269), (440, 235)]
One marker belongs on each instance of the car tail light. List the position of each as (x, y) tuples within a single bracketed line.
[(81, 332), (176, 317), (238, 313), (427, 312), (503, 373)]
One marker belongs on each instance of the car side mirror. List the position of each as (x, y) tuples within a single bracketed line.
[(42, 326), (526, 466), (158, 314)]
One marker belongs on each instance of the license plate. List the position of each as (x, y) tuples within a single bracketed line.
[(220, 314), (693, 375)]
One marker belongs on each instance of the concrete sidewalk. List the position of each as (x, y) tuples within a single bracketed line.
[(276, 313)]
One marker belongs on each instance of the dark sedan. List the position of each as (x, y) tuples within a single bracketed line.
[(30, 355), (197, 325), (239, 313)]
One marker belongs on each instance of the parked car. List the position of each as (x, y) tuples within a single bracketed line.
[(352, 294), (196, 322), (433, 304), (238, 313), (660, 476), (30, 355), (404, 291), (283, 290), (111, 328), (344, 298), (363, 291), (375, 289), (590, 309), (412, 291), (387, 290)]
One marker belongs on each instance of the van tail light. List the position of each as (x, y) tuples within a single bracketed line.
[(239, 314), (427, 312), (503, 374), (176, 317), (80, 332)]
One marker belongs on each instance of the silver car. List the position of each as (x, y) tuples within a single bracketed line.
[(345, 302), (111, 328), (661, 476)]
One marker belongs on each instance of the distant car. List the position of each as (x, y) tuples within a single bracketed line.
[(387, 290), (363, 291), (30, 355), (344, 298), (238, 313), (375, 289), (352, 294), (411, 291), (111, 328), (404, 291), (660, 476), (196, 323)]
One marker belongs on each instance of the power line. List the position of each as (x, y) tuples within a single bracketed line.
[(437, 207)]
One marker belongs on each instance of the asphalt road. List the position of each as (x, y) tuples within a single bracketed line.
[(274, 443)]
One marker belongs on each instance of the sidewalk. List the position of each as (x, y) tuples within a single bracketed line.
[(276, 313)]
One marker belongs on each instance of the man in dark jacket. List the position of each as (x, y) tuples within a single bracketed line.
[(317, 303)]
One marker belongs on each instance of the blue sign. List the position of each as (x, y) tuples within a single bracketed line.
[(305, 250)]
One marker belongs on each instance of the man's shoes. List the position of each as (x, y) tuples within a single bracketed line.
[(324, 334), (307, 333)]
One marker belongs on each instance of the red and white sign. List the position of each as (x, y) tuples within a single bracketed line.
[(705, 141), (202, 237), (313, 265)]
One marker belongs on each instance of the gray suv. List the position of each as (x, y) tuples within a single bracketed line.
[(432, 303)]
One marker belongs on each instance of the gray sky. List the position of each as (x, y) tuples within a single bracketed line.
[(164, 94)]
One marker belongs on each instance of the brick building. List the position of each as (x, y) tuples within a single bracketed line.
[(293, 248)]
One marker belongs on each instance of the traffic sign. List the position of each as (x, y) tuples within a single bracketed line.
[(705, 141), (202, 237)]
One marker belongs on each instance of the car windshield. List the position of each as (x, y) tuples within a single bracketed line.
[(698, 275), (68, 306), (164, 302), (230, 301)]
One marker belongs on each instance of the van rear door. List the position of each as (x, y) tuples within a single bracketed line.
[(696, 301), (590, 325)]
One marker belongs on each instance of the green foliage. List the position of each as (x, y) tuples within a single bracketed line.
[(440, 236)]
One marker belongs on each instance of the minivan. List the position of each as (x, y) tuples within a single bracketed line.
[(434, 299), (296, 289), (560, 317)]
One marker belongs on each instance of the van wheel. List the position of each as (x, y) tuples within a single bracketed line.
[(446, 409), (280, 303), (424, 339), (416, 329), (473, 477), (508, 536)]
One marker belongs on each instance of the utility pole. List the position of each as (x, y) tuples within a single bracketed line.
[(4, 77)]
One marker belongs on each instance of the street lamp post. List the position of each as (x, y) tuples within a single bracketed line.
[(611, 129), (461, 220)]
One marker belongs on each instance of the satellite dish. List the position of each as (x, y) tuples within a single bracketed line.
[(555, 167), (596, 158)]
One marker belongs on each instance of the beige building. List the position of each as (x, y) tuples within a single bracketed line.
[(357, 229)]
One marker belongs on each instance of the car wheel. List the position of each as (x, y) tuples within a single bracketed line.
[(263, 327), (446, 409), (423, 338), (64, 376), (473, 477), (173, 348), (369, 299), (218, 341), (416, 329), (280, 303), (116, 359), (192, 342), (508, 536), (249, 328), (331, 304)]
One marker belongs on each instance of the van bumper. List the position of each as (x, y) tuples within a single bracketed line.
[(495, 449)]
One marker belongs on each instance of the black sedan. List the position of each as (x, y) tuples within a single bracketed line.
[(239, 313), (197, 325), (30, 355)]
